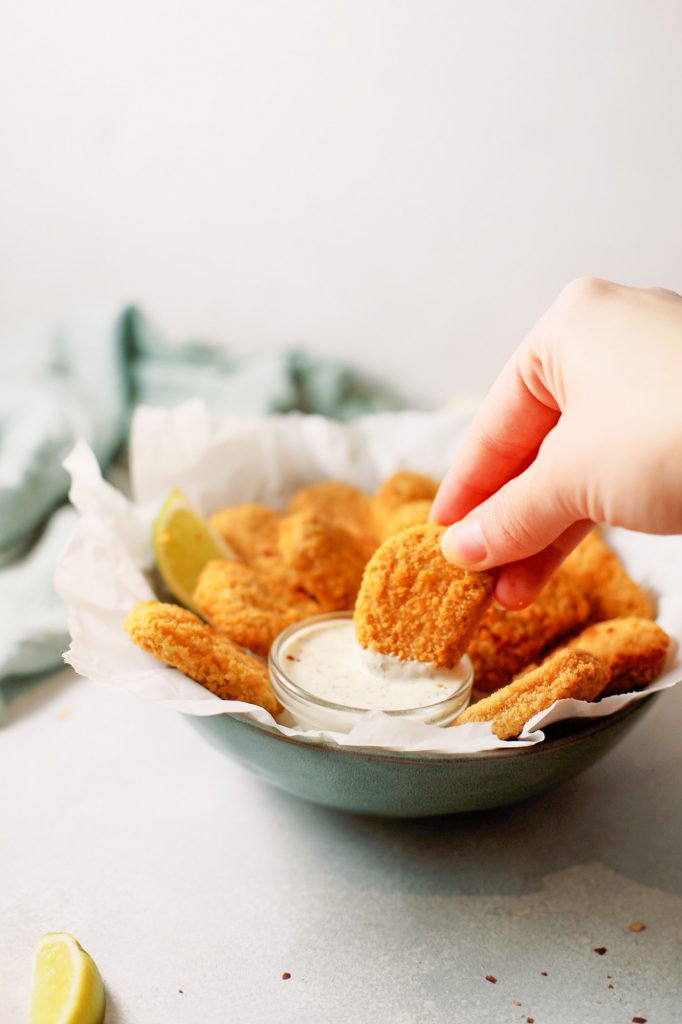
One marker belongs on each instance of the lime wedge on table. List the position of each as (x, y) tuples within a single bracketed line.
[(67, 987), (183, 544)]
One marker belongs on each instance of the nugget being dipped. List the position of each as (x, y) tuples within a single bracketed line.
[(249, 608), (633, 650), (564, 674), (178, 638), (417, 606)]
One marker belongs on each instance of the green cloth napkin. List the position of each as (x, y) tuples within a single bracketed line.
[(81, 380)]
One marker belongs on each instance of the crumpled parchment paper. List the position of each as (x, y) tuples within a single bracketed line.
[(223, 461)]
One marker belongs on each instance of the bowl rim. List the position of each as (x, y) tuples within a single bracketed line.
[(410, 756)]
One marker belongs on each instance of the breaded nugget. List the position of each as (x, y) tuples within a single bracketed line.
[(564, 674), (633, 649), (251, 530), (178, 638), (507, 640), (340, 504), (602, 576), (412, 513), (325, 560), (405, 486), (397, 490), (247, 607), (416, 605)]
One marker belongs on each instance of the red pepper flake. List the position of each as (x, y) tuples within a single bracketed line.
[(491, 978), (639, 1020), (544, 974), (609, 985), (600, 950), (637, 926), (530, 1020), (286, 975), (292, 657)]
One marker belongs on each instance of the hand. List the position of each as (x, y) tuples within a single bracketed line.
[(583, 426)]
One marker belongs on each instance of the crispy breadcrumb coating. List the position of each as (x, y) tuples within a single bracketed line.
[(253, 532), (633, 649), (178, 638), (399, 489), (599, 572), (412, 513), (564, 674), (244, 605), (250, 529), (416, 605), (507, 640), (341, 504), (325, 560)]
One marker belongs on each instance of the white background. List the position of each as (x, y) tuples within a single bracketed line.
[(405, 184)]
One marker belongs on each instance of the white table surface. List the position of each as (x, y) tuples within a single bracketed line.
[(178, 871)]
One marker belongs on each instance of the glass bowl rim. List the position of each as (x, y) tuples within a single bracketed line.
[(288, 685)]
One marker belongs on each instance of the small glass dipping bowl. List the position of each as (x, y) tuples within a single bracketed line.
[(310, 711)]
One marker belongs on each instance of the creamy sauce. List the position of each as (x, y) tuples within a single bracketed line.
[(325, 660)]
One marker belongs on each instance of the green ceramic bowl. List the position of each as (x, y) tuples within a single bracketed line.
[(404, 785)]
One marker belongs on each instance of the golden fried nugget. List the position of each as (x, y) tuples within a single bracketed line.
[(412, 513), (405, 486), (599, 572), (178, 638), (399, 489), (564, 674), (633, 649), (340, 504), (507, 640), (325, 560), (416, 605), (249, 608), (251, 530)]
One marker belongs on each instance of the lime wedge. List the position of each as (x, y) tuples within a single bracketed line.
[(67, 987), (183, 544)]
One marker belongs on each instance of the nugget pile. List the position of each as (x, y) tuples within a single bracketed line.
[(516, 653), (589, 634), (289, 566)]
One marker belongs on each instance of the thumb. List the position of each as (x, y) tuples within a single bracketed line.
[(524, 517)]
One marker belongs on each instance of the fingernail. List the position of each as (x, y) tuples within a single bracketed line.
[(463, 543)]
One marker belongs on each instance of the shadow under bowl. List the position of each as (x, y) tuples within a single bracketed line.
[(364, 780)]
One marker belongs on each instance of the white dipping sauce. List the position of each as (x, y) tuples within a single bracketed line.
[(325, 660)]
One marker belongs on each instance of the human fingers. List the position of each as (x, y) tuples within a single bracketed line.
[(504, 437), (522, 518), (519, 583)]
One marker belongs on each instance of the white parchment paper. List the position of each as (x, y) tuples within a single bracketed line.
[(223, 461)]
